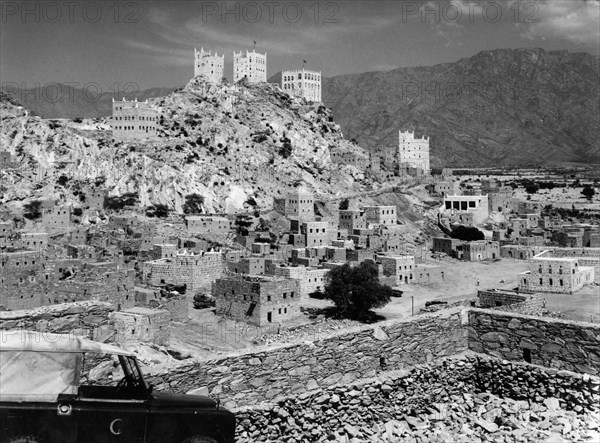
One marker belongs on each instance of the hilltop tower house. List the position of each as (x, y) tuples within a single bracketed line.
[(252, 65), (413, 152), (210, 66), (302, 83), (133, 120)]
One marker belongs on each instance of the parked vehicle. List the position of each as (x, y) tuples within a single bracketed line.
[(43, 401)]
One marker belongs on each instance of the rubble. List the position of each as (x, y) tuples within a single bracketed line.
[(428, 404)]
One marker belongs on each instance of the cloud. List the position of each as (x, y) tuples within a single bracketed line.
[(576, 21)]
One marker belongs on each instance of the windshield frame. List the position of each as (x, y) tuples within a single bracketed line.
[(133, 374)]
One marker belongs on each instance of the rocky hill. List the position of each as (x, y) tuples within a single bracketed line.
[(501, 107), (512, 107), (237, 146)]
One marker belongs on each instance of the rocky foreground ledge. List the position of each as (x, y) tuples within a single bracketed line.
[(446, 402)]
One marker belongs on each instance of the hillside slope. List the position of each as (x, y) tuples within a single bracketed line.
[(235, 146), (508, 107)]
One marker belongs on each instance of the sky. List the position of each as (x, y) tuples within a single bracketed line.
[(123, 45)]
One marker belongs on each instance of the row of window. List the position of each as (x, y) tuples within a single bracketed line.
[(135, 117), (133, 128), (25, 263), (301, 86), (308, 76)]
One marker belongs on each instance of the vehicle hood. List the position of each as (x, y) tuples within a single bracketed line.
[(170, 400)]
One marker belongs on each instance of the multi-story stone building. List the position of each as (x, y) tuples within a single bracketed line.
[(57, 218), (413, 152), (315, 233), (352, 219), (555, 274), (140, 324), (474, 204), (22, 280), (445, 188), (252, 66), (208, 224), (401, 267), (300, 204), (208, 65), (381, 215), (257, 300), (196, 271), (310, 279), (133, 120), (302, 83)]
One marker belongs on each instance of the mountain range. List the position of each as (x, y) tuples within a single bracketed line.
[(509, 107)]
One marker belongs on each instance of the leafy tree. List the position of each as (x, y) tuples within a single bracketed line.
[(356, 290), (78, 212), (32, 210), (120, 201), (158, 210), (242, 223), (344, 204), (588, 192), (193, 204), (467, 233), (532, 188)]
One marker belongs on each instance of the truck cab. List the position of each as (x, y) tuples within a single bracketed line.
[(43, 399)]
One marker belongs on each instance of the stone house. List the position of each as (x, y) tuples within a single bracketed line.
[(257, 300), (555, 274), (140, 324), (381, 215)]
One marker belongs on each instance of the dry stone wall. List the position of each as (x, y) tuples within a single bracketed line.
[(252, 378), (441, 402), (554, 343), (90, 318)]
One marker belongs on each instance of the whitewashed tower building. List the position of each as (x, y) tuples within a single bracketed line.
[(302, 83), (413, 152), (210, 66), (251, 65)]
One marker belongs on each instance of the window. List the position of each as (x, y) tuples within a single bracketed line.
[(268, 298), (527, 355)]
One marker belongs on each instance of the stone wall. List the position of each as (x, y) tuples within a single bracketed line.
[(443, 402), (90, 318), (197, 272), (250, 378), (505, 300), (549, 342)]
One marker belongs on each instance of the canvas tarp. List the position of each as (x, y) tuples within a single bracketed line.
[(38, 376)]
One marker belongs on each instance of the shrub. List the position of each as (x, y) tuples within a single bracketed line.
[(467, 233), (588, 192), (193, 204), (32, 210)]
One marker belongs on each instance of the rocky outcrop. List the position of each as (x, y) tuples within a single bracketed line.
[(239, 147)]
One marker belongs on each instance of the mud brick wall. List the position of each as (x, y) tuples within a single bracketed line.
[(250, 378), (554, 343), (90, 318)]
